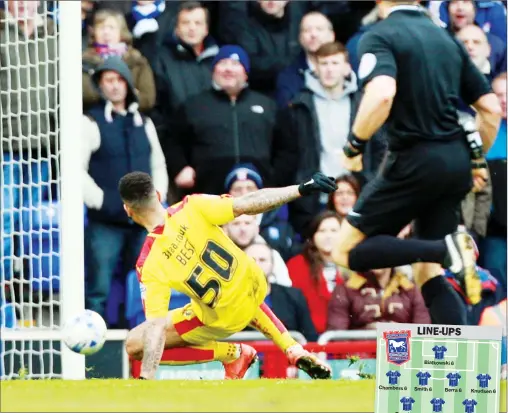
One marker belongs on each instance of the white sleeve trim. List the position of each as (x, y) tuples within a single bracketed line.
[(93, 195), (157, 161)]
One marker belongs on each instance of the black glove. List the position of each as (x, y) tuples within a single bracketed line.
[(318, 183)]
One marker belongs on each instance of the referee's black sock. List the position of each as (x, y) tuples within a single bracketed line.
[(444, 303), (385, 251)]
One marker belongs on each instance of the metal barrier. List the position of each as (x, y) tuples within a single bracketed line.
[(336, 344), (342, 335)]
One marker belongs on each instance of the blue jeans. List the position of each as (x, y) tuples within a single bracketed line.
[(493, 257), (25, 183), (105, 246)]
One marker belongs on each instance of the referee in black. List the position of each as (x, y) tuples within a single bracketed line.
[(413, 73)]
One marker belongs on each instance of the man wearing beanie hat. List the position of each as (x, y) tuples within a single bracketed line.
[(235, 53), (242, 179), (224, 126)]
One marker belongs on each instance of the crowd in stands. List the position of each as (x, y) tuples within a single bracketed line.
[(233, 96)]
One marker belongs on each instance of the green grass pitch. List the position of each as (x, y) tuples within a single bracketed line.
[(187, 396)]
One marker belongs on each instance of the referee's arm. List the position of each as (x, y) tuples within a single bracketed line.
[(377, 71), (477, 92)]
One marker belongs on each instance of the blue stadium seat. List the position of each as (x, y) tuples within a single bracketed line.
[(134, 308), (7, 315), (178, 300), (41, 245)]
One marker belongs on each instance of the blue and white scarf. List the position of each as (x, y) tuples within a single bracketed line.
[(148, 11)]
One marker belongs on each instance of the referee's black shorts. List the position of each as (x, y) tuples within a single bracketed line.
[(425, 184)]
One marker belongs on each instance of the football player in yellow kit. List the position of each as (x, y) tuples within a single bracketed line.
[(186, 250)]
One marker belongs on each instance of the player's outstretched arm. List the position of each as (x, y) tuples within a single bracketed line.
[(154, 338), (269, 198)]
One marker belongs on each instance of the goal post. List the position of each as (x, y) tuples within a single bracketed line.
[(42, 244), (72, 274)]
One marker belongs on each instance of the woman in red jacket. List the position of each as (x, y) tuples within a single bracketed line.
[(313, 271)]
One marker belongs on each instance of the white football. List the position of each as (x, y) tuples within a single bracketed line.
[(85, 333)]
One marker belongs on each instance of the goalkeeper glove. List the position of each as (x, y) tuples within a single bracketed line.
[(318, 183)]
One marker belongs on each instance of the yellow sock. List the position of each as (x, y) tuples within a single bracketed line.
[(212, 351), (267, 323)]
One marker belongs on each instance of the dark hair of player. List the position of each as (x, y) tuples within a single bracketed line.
[(136, 189)]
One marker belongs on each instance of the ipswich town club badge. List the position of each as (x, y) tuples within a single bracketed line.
[(397, 346)]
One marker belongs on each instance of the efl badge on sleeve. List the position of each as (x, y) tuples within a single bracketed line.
[(397, 346)]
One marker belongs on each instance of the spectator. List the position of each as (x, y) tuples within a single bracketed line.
[(270, 39), (480, 51), (232, 16), (143, 17), (493, 248), (344, 198), (273, 225), (313, 271), (224, 126), (244, 230), (489, 15), (344, 15), (151, 22), (182, 65), (315, 30), (462, 14), (377, 296), (287, 303), (28, 92), (117, 140), (110, 37), (319, 118)]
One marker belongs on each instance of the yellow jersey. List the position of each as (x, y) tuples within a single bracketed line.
[(191, 254)]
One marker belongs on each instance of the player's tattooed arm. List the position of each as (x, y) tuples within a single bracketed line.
[(269, 198), (264, 200), (154, 338)]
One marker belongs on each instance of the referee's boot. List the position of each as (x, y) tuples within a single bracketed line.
[(462, 255), (308, 362), (237, 369)]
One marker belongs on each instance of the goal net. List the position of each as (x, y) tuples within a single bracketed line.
[(40, 103)]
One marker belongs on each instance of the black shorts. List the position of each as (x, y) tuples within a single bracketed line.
[(425, 184)]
